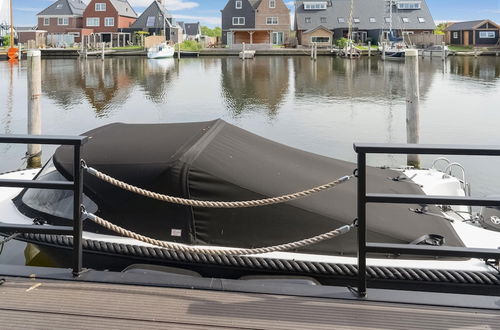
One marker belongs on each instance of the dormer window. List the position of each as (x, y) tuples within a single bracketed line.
[(421, 20), (405, 20), (341, 20), (272, 3), (373, 20), (356, 20), (409, 5), (323, 20), (100, 7), (316, 5), (239, 4)]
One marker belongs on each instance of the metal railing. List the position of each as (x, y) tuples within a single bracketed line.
[(76, 186), (365, 198)]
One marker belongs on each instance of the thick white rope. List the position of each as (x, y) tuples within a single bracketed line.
[(227, 252), (216, 204)]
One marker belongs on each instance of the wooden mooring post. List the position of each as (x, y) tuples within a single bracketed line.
[(34, 153), (412, 103), (443, 53), (369, 48)]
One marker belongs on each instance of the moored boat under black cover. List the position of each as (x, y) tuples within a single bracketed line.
[(218, 161)]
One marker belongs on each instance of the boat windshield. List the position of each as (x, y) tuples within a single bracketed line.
[(57, 203)]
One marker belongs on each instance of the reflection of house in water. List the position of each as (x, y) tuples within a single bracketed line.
[(102, 84), (105, 85), (481, 67), (251, 85), (154, 76), (372, 80)]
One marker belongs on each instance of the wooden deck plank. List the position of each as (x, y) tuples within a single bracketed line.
[(59, 304)]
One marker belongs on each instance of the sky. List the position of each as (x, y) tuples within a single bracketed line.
[(208, 11)]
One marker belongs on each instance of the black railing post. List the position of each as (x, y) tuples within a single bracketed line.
[(362, 224), (77, 212)]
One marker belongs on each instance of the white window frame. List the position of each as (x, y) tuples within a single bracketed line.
[(272, 20), (100, 6), (238, 20), (356, 20), (272, 3), (341, 19), (317, 5), (238, 4), (487, 34), (46, 21), (373, 20), (455, 35), (90, 19), (387, 19), (421, 20), (62, 21), (106, 19), (405, 19), (59, 6)]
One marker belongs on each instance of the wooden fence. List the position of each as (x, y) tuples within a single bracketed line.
[(424, 40)]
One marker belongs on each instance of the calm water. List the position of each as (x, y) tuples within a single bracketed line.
[(321, 107)]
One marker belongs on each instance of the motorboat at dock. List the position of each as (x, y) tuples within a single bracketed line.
[(216, 161)]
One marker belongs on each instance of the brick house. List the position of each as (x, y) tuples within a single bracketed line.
[(255, 22), (108, 18), (63, 17)]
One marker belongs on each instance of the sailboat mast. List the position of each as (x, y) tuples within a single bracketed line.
[(11, 25), (390, 17)]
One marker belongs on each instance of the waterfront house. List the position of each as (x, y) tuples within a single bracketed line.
[(473, 33), (154, 19), (62, 18), (108, 19), (264, 22), (192, 31), (371, 20)]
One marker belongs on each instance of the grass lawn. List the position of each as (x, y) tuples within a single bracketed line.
[(366, 47), (460, 48)]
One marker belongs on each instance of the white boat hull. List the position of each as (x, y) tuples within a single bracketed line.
[(161, 51)]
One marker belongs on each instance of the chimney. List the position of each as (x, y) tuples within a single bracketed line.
[(162, 2)]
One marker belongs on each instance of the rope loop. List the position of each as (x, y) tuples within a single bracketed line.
[(217, 204), (218, 251)]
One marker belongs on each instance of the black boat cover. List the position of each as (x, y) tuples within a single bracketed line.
[(218, 161)]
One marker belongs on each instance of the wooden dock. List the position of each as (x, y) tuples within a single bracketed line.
[(49, 304)]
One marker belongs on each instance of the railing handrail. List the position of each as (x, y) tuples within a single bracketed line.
[(426, 149), (76, 185), (43, 139), (362, 149)]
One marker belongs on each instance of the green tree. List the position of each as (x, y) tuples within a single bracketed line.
[(215, 32), (440, 28)]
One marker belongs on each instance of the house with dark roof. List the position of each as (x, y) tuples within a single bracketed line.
[(371, 20), (155, 19), (473, 33), (108, 18), (255, 22), (63, 17), (192, 31)]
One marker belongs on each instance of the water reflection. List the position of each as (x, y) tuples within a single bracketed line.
[(248, 85), (481, 67), (105, 85)]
